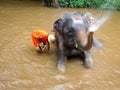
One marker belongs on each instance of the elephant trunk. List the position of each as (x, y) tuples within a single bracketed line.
[(89, 41), (85, 41)]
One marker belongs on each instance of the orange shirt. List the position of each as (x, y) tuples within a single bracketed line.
[(40, 34)]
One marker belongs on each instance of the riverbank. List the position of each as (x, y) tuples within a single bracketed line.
[(96, 4)]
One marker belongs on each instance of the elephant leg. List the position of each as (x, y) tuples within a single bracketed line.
[(88, 62), (96, 42), (61, 55), (61, 64)]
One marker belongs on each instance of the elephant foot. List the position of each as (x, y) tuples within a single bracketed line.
[(97, 43), (88, 62), (61, 67)]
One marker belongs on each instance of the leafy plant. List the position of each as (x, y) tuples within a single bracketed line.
[(100, 4)]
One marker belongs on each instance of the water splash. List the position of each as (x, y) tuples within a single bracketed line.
[(100, 22), (109, 5), (103, 19)]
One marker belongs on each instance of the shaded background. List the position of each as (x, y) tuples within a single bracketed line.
[(22, 67)]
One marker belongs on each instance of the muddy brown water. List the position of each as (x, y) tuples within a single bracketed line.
[(22, 67)]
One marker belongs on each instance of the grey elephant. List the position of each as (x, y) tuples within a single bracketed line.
[(74, 38)]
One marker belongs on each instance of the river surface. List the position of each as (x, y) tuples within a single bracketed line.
[(22, 67)]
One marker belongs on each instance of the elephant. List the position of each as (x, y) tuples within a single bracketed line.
[(74, 38)]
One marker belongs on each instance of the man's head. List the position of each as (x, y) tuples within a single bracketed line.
[(51, 39)]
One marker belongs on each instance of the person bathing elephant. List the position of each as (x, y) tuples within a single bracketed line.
[(74, 38), (42, 39)]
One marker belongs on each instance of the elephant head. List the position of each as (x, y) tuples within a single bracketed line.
[(84, 38), (76, 35)]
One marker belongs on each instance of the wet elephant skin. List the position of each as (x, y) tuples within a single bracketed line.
[(71, 36)]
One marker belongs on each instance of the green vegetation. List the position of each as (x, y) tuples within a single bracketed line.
[(101, 4)]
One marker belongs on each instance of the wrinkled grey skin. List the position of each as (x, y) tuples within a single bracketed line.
[(74, 38)]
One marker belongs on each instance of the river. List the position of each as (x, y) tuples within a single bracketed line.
[(22, 67)]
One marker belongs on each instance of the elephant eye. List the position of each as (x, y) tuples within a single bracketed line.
[(71, 31), (65, 30)]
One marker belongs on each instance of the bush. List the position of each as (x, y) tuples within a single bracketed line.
[(101, 4)]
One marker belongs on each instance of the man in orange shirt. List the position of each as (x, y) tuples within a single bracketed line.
[(42, 40)]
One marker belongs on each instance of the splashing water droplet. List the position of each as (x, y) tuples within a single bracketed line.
[(100, 22)]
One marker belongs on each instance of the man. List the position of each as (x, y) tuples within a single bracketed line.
[(42, 40)]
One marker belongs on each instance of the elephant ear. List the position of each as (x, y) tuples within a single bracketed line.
[(58, 24)]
